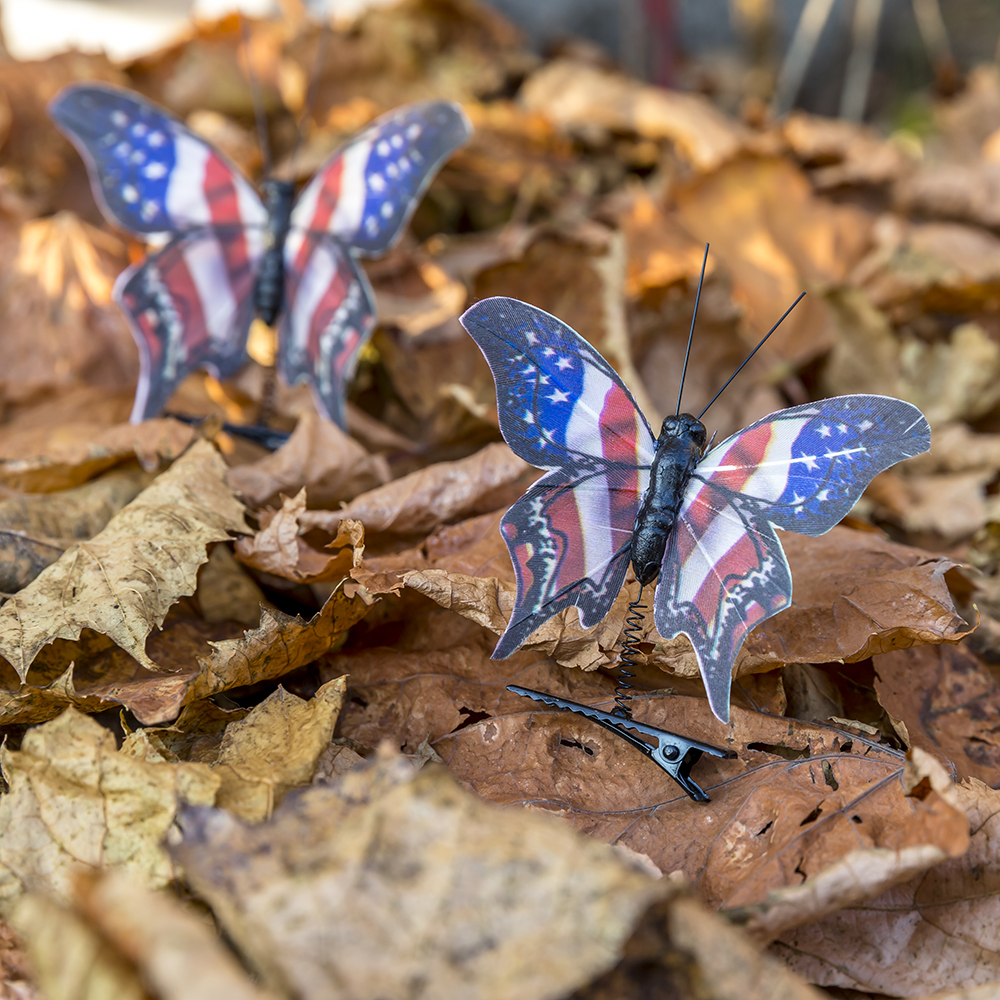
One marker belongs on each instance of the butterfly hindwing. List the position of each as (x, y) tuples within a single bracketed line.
[(366, 192), (189, 306), (329, 316), (151, 174), (801, 469)]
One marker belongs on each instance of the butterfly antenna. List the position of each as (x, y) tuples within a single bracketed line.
[(752, 353), (258, 100), (324, 41), (631, 635), (694, 316)]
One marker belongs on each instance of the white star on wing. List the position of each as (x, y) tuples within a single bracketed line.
[(558, 396)]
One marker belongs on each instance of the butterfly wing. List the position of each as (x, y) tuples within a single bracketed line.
[(800, 469), (189, 306), (366, 192), (329, 316), (150, 174), (562, 407)]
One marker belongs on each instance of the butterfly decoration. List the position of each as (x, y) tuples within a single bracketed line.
[(224, 255), (720, 569)]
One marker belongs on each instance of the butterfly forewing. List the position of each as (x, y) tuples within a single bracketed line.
[(151, 173), (366, 192), (563, 407), (329, 317), (802, 469)]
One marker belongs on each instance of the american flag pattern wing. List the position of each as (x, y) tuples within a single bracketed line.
[(151, 175), (365, 193), (329, 316), (563, 408), (800, 469), (189, 306)]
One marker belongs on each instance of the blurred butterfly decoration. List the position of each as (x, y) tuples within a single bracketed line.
[(697, 520), (224, 255)]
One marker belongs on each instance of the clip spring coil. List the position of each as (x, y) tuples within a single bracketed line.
[(630, 650)]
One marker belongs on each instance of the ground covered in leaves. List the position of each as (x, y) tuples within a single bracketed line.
[(254, 742)]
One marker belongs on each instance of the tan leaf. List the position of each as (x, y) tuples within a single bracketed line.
[(928, 934), (76, 804), (318, 456), (225, 591), (121, 938), (36, 529), (439, 493), (473, 900), (274, 749), (122, 582)]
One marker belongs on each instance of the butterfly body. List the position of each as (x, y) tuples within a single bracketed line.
[(679, 448), (607, 480), (225, 255), (269, 287)]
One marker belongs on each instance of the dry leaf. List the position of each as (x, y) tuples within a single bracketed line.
[(929, 934), (37, 528), (577, 95), (274, 749), (225, 592), (120, 939), (439, 493), (318, 456), (855, 594), (123, 581), (472, 900), (76, 804)]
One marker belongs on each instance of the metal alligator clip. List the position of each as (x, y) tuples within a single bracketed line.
[(675, 754)]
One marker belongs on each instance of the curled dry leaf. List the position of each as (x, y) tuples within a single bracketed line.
[(936, 930), (949, 700), (472, 900), (122, 582), (797, 799), (121, 939), (318, 456), (855, 594), (76, 804), (575, 95), (435, 495), (37, 528)]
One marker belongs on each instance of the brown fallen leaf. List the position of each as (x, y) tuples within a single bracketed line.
[(122, 582), (948, 699), (75, 804), (435, 495), (798, 798), (318, 456), (855, 594), (929, 934), (274, 749), (963, 191), (35, 529), (473, 900), (121, 939), (196, 735), (574, 94)]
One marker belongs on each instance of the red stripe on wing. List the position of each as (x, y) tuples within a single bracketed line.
[(744, 455), (564, 516), (224, 208)]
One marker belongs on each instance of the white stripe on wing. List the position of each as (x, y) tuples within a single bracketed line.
[(320, 270), (720, 536), (186, 202), (347, 216), (207, 266)]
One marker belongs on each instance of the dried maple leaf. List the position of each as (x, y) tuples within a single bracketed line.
[(76, 804), (319, 456), (122, 582), (931, 933), (473, 900)]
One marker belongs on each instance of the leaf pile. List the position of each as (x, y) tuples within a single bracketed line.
[(254, 743)]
